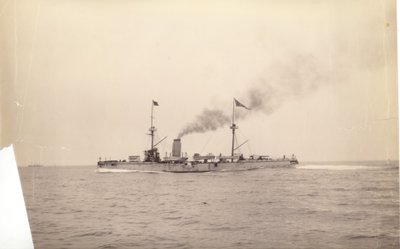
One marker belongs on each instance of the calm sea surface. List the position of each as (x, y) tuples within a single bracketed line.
[(312, 206)]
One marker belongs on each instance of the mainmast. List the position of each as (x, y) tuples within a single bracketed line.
[(233, 127)]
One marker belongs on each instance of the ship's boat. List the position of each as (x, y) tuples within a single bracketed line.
[(179, 163)]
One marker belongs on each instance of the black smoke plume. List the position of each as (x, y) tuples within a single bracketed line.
[(301, 76), (208, 120)]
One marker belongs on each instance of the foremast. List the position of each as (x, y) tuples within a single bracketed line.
[(233, 128), (152, 155), (152, 129)]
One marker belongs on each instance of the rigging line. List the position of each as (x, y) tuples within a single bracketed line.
[(219, 141), (163, 147), (159, 143), (209, 139), (148, 140), (158, 138), (236, 141), (248, 144), (31, 57), (156, 133)]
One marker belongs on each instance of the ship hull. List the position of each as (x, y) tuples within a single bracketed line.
[(194, 167)]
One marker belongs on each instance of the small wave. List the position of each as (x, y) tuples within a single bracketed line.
[(336, 167), (340, 189), (222, 228), (364, 236), (116, 205), (318, 230), (108, 246), (103, 170), (188, 222), (243, 244), (172, 212), (97, 234), (377, 189), (173, 218), (117, 245)]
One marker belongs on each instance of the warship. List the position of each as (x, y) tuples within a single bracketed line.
[(179, 162)]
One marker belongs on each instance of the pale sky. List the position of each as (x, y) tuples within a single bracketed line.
[(78, 77)]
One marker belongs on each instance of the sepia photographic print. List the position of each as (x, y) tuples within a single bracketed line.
[(203, 124)]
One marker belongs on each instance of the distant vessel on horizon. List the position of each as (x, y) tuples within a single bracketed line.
[(35, 165), (178, 162)]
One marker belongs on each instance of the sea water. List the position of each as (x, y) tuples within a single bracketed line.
[(316, 205)]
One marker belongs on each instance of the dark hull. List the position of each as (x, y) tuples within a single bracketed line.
[(193, 167)]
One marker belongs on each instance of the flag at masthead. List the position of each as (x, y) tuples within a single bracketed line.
[(237, 103)]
